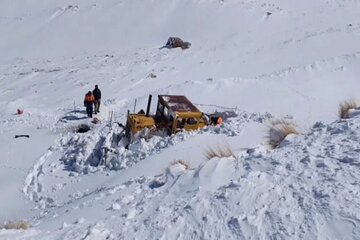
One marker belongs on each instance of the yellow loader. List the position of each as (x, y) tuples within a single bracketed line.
[(174, 113)]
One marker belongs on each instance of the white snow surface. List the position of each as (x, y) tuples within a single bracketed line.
[(261, 59)]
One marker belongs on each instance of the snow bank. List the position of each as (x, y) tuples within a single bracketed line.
[(303, 190)]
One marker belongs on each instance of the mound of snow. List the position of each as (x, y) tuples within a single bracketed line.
[(216, 173)]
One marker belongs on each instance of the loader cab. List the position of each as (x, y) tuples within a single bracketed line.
[(176, 113)]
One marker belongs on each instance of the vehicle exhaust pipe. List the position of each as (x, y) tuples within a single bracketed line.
[(148, 105)]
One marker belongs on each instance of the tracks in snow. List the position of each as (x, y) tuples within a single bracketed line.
[(77, 155)]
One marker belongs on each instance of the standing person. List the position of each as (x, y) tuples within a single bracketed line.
[(88, 103), (97, 96)]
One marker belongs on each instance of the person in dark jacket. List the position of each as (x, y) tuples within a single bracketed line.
[(88, 103), (97, 97)]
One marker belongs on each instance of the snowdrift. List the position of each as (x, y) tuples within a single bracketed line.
[(304, 190)]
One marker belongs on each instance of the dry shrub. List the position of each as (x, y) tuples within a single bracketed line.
[(345, 107), (278, 130), (185, 164), (16, 225), (219, 152)]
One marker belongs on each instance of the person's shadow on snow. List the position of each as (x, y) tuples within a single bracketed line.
[(73, 116)]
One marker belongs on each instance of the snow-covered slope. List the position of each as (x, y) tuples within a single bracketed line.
[(307, 189), (261, 59)]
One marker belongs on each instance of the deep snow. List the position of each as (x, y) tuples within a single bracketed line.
[(261, 59)]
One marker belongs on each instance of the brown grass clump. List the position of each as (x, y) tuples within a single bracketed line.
[(16, 225), (219, 152), (278, 130), (185, 164), (345, 107)]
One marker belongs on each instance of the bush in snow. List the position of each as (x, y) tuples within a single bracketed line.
[(16, 225), (345, 107), (186, 165), (219, 152), (279, 129)]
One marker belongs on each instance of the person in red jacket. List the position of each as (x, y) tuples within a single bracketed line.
[(219, 121), (88, 103)]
